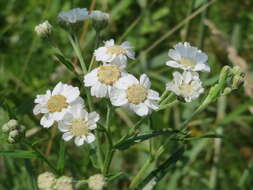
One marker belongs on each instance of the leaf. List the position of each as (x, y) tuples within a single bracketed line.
[(30, 171), (156, 175), (116, 176), (142, 137), (19, 154), (61, 159), (66, 62)]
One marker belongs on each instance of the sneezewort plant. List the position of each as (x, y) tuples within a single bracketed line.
[(78, 116)]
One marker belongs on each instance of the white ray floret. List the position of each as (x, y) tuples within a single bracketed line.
[(115, 54), (187, 57), (102, 79), (78, 124), (54, 105), (135, 94), (187, 85)]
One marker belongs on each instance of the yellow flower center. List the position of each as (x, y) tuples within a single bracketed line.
[(116, 49), (186, 88), (108, 74), (136, 94), (188, 62), (57, 103), (79, 128)]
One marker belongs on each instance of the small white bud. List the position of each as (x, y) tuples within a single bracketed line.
[(5, 128), (46, 180), (14, 133), (13, 123), (64, 183), (44, 29), (11, 140), (96, 182)]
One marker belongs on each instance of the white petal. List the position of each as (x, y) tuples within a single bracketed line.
[(187, 76), (126, 81), (100, 90), (37, 109), (152, 104), (173, 64), (47, 121), (109, 42), (70, 92), (174, 54), (92, 126), (93, 117), (153, 95), (90, 138), (118, 97), (79, 140), (178, 78), (57, 89), (67, 136), (63, 127), (57, 116), (91, 78), (140, 109), (144, 81), (202, 67), (79, 100)]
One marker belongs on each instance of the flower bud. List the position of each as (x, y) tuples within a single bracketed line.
[(5, 128), (226, 91), (13, 123), (236, 70), (44, 30), (46, 180), (96, 182), (11, 140), (237, 81), (14, 133), (99, 19), (64, 183)]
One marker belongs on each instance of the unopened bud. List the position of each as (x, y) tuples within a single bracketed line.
[(96, 182), (11, 140), (64, 183), (14, 133), (236, 70), (44, 30), (46, 180), (5, 128), (237, 81), (227, 91), (13, 123)]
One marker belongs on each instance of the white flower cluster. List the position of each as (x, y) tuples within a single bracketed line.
[(48, 181), (187, 84), (14, 130), (110, 80), (96, 182), (66, 107)]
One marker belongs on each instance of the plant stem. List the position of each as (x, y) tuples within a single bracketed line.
[(141, 173), (75, 44), (41, 156), (97, 41), (99, 151)]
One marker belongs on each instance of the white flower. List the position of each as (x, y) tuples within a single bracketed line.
[(99, 15), (96, 182), (135, 94), (187, 57), (73, 16), (78, 124), (102, 79), (99, 19), (188, 85), (54, 105), (114, 54), (46, 181), (44, 29), (64, 183)]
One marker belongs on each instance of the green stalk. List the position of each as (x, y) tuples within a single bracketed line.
[(41, 156), (164, 95), (97, 41), (75, 44)]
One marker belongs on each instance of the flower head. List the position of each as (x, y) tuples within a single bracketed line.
[(44, 29), (96, 182), (73, 16), (54, 105), (114, 54), (102, 79), (187, 85), (186, 57), (78, 124), (99, 19), (136, 94), (64, 183), (46, 181)]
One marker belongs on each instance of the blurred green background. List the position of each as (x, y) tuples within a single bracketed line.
[(224, 30)]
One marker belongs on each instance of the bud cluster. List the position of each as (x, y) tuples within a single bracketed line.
[(13, 130)]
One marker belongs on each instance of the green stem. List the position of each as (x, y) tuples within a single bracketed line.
[(97, 41), (136, 180), (41, 156), (108, 161), (99, 151), (75, 44), (164, 95), (167, 99), (165, 106)]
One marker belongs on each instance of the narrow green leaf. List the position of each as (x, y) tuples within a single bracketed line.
[(19, 154), (30, 171), (61, 159), (142, 137), (156, 175), (66, 62)]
